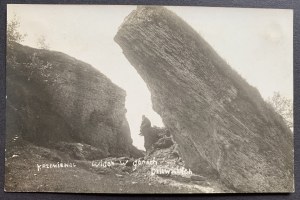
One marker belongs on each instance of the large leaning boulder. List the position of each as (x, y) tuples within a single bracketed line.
[(222, 125), (52, 97)]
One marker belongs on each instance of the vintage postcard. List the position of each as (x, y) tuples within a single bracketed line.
[(149, 99)]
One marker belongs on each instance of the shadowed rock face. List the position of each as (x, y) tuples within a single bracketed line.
[(222, 125), (52, 97)]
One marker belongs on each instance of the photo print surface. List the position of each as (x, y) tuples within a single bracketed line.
[(149, 99)]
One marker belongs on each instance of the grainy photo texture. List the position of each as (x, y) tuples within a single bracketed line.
[(149, 99)]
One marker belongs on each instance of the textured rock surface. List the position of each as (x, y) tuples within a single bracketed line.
[(222, 125), (52, 97)]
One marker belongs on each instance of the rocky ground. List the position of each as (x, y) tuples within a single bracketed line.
[(25, 172)]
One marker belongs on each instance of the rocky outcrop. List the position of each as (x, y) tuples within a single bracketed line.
[(52, 97), (222, 125), (156, 138)]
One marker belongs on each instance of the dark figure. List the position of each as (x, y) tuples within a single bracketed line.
[(150, 136), (145, 124)]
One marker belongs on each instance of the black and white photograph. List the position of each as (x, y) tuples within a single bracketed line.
[(149, 99)]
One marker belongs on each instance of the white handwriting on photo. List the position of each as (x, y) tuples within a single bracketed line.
[(57, 165), (155, 167)]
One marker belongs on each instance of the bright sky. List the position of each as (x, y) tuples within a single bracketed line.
[(258, 43)]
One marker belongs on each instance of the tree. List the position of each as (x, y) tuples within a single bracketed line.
[(13, 33), (284, 107), (41, 42)]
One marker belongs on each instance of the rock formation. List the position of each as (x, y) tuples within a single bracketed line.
[(154, 137), (222, 125), (52, 97)]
